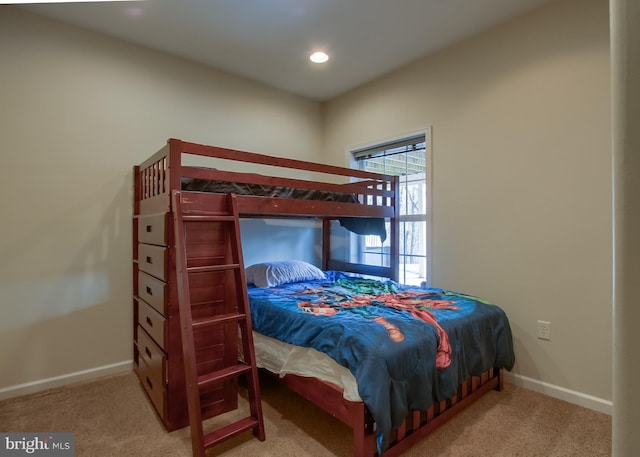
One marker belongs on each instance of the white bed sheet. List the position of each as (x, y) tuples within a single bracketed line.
[(284, 358)]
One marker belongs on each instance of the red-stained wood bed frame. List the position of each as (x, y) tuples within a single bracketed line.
[(156, 177)]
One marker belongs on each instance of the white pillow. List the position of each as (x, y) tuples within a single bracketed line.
[(272, 274)]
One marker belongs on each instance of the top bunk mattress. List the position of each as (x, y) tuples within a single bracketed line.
[(259, 190), (358, 225)]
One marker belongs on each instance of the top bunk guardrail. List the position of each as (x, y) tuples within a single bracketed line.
[(370, 194)]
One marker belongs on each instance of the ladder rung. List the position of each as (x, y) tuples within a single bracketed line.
[(229, 431), (217, 320), (207, 218), (209, 268), (225, 373)]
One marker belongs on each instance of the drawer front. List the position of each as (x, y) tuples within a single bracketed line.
[(151, 354), (152, 385), (153, 291), (153, 229), (153, 322), (150, 369), (153, 260)]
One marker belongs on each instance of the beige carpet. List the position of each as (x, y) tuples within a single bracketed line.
[(112, 417)]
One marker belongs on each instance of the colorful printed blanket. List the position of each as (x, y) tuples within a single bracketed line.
[(406, 346)]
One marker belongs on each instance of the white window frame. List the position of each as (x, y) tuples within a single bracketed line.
[(427, 133)]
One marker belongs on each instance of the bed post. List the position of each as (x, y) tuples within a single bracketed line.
[(364, 442), (326, 242), (136, 190), (359, 436), (174, 163)]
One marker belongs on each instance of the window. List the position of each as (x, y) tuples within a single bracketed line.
[(409, 159)]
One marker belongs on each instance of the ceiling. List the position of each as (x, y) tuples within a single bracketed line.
[(270, 40)]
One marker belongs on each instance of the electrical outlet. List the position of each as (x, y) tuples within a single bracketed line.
[(544, 330)]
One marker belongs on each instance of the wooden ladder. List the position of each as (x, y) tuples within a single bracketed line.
[(208, 243)]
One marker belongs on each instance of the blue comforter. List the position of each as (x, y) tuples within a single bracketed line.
[(406, 346)]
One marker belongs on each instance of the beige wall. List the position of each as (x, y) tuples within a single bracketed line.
[(521, 182), (521, 178), (77, 111)]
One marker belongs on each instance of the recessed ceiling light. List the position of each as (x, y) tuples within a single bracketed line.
[(319, 57)]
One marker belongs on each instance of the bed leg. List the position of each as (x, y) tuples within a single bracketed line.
[(359, 437), (364, 442), (358, 443), (499, 373)]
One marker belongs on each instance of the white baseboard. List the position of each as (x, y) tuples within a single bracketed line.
[(58, 381), (561, 393), (571, 396)]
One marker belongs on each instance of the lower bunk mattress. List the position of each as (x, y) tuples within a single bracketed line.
[(282, 358), (404, 346)]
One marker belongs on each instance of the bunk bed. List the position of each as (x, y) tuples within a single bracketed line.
[(358, 200)]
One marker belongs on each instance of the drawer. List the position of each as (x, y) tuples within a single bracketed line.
[(152, 385), (153, 229), (153, 260), (151, 354), (153, 291), (153, 322)]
